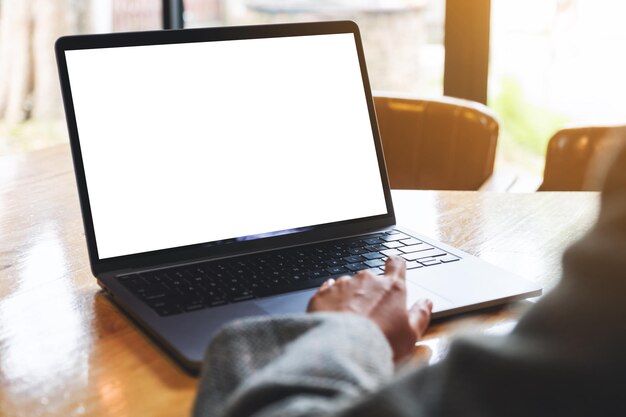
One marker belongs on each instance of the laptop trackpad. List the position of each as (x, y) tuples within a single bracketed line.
[(295, 302), (416, 292)]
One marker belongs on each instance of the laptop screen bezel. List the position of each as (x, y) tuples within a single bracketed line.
[(210, 250)]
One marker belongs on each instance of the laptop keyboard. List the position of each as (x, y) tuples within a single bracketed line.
[(215, 283)]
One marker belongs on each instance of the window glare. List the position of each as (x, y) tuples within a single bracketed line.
[(553, 64)]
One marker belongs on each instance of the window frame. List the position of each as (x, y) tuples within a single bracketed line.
[(467, 41)]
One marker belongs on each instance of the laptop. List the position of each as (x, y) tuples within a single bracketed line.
[(228, 172)]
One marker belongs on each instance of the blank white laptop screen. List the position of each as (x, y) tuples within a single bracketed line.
[(199, 142)]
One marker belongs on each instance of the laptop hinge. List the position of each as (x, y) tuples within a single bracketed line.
[(137, 270)]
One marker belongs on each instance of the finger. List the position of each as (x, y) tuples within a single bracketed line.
[(419, 316), (327, 284), (395, 267), (343, 278), (313, 302), (362, 274)]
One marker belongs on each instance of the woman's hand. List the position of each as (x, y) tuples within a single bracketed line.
[(382, 299)]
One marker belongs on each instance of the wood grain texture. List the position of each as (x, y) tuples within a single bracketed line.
[(66, 350)]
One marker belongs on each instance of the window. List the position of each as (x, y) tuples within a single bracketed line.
[(403, 42), (554, 63), (403, 39), (31, 112)]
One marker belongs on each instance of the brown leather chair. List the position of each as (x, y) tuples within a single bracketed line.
[(440, 144), (577, 157)]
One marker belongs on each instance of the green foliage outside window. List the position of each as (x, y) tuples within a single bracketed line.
[(525, 127)]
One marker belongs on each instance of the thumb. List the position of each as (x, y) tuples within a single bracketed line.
[(419, 316)]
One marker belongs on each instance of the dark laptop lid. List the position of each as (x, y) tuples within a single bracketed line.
[(206, 143)]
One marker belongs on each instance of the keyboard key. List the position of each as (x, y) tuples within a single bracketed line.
[(337, 270), (177, 275), (374, 263), (375, 271), (373, 255), (448, 258), (215, 303), (301, 285), (133, 281), (413, 265), (423, 254), (158, 303), (411, 241), (356, 266), (393, 244), (194, 307), (353, 259), (317, 274), (415, 248), (154, 295), (197, 280), (429, 261), (242, 295), (167, 310), (374, 248), (373, 241), (391, 252), (397, 236), (148, 276), (356, 251)]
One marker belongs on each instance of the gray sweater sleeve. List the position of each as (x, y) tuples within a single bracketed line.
[(292, 366), (566, 357)]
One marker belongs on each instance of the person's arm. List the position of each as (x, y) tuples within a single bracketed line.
[(566, 356), (301, 365), (315, 364)]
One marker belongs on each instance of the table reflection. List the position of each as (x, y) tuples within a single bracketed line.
[(43, 306)]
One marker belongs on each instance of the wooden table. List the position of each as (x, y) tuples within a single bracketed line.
[(66, 350)]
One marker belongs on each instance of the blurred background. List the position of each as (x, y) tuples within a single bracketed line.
[(552, 63)]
